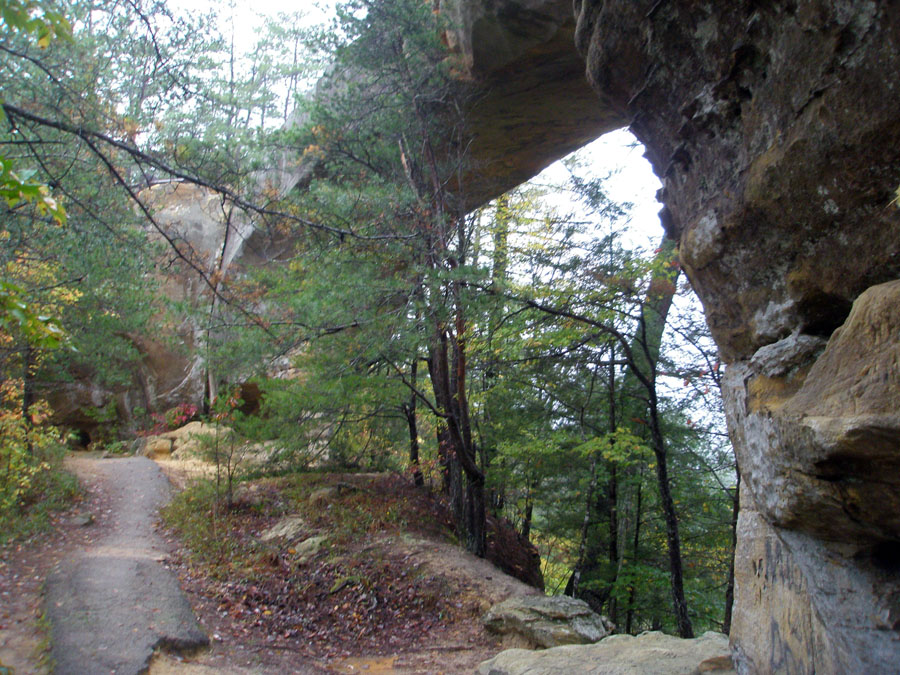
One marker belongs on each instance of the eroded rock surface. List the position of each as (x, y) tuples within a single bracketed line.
[(541, 621), (531, 103), (648, 654)]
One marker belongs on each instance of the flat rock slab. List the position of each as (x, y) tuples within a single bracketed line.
[(546, 621), (651, 653), (111, 605)]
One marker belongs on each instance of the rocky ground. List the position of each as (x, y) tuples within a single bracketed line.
[(344, 573), (390, 594)]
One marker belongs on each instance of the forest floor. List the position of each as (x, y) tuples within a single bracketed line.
[(387, 592)]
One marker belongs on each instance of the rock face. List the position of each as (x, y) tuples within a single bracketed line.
[(532, 104), (541, 621), (775, 131), (648, 654)]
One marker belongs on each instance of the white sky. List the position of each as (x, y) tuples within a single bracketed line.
[(632, 180)]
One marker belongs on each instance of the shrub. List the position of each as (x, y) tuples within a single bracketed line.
[(32, 481)]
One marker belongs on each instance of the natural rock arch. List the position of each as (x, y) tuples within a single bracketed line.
[(775, 130)]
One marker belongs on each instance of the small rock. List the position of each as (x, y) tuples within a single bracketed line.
[(310, 547), (323, 496), (83, 519)]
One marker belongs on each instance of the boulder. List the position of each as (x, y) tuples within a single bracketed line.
[(181, 442), (541, 621), (288, 528), (651, 653), (156, 447), (309, 548)]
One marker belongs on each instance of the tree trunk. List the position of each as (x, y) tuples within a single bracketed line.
[(529, 511), (476, 536), (457, 496), (612, 499), (729, 589), (613, 489), (449, 394), (28, 396), (573, 586), (632, 593), (676, 574), (644, 357), (409, 410)]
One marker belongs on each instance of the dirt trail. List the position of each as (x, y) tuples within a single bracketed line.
[(111, 604)]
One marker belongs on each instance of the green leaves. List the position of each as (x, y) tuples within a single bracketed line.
[(18, 187), (620, 446), (15, 313), (36, 18)]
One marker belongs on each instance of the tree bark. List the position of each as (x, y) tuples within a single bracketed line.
[(529, 512), (676, 573), (729, 589), (613, 490), (632, 592), (643, 361), (409, 410), (449, 386)]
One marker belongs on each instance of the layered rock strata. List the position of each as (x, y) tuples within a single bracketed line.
[(651, 653)]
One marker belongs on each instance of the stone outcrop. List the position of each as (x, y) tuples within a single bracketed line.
[(288, 528), (649, 654), (817, 542), (542, 621), (186, 440), (775, 131)]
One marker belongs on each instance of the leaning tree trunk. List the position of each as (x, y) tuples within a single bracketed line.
[(644, 356), (676, 573)]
